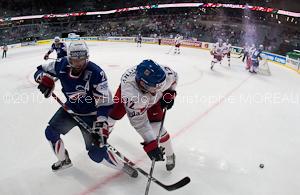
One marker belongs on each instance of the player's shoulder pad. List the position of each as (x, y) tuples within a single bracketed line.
[(94, 67), (96, 71), (130, 95)]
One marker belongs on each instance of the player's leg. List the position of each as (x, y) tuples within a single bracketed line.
[(248, 63), (215, 59), (155, 114), (245, 56), (60, 123), (254, 66), (102, 154), (176, 48), (228, 57)]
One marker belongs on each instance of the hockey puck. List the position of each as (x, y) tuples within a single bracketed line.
[(261, 166)]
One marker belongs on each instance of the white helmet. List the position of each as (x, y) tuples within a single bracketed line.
[(56, 39), (78, 51)]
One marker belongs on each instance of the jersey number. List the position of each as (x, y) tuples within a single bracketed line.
[(103, 76)]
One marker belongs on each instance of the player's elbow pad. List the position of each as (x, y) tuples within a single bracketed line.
[(38, 75)]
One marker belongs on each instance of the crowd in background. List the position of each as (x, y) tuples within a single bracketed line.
[(32, 7), (198, 24)]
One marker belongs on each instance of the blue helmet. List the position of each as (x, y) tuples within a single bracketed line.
[(152, 75)]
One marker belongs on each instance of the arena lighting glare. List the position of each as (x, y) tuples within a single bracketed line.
[(157, 6)]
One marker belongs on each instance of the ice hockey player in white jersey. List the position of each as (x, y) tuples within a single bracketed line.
[(145, 91), (217, 53), (226, 50), (177, 44)]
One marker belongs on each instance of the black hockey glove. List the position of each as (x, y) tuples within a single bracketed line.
[(153, 151), (46, 57), (168, 98), (46, 85), (101, 133)]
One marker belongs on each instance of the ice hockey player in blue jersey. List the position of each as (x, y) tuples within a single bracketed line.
[(256, 56), (85, 87), (59, 47)]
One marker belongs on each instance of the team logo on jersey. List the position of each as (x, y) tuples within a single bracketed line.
[(78, 94)]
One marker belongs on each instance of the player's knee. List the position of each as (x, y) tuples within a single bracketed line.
[(96, 153), (51, 134)]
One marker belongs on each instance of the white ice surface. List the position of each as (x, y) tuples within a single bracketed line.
[(224, 124)]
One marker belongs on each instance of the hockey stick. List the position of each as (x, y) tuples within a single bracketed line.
[(184, 181), (50, 59), (153, 160), (83, 124)]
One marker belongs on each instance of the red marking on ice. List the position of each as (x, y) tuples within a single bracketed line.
[(102, 183), (113, 65)]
